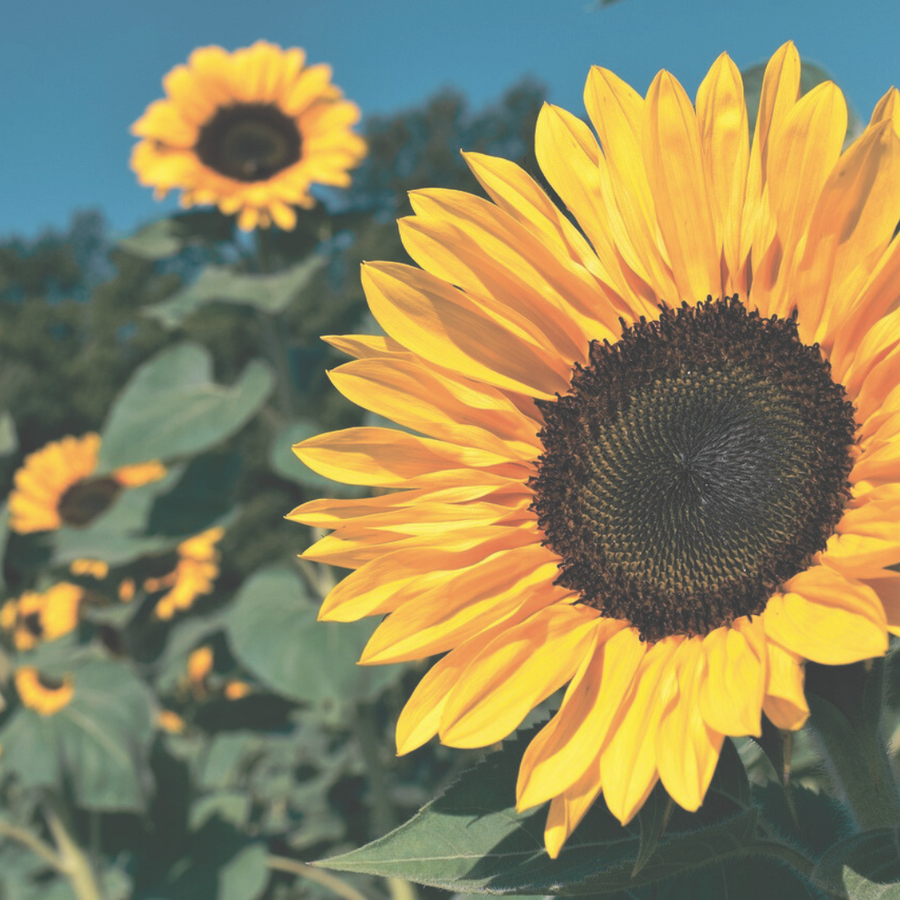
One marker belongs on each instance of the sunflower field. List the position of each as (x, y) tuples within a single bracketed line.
[(396, 523)]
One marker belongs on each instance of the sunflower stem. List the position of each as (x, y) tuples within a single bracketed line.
[(75, 864), (272, 330), (846, 719)]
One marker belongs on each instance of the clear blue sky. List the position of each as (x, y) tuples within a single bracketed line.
[(75, 73)]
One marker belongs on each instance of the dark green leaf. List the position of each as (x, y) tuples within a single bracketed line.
[(284, 461), (273, 632), (98, 744), (866, 866), (204, 494), (268, 293), (171, 407), (230, 806), (472, 839)]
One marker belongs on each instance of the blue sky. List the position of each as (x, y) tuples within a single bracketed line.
[(74, 75)]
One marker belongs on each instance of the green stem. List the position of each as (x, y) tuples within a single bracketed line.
[(849, 731), (786, 853), (33, 843), (75, 864), (272, 330), (304, 870)]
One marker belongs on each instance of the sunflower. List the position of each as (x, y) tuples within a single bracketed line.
[(42, 615), (56, 485), (660, 451), (45, 695), (250, 131), (195, 571)]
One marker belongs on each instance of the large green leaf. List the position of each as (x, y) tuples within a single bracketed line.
[(171, 407), (97, 744), (865, 866), (472, 839), (284, 461), (268, 293), (245, 877), (273, 632)]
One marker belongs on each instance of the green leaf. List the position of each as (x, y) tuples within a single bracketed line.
[(167, 237), (4, 538), (97, 744), (285, 462), (810, 76), (472, 839), (230, 806), (268, 293), (273, 632), (246, 876), (866, 866), (171, 407)]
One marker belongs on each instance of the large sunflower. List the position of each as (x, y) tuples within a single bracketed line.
[(56, 486), (250, 131), (661, 451)]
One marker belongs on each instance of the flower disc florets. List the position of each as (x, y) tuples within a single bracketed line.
[(695, 465)]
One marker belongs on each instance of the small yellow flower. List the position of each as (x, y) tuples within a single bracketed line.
[(199, 665), (127, 590), (195, 572), (237, 690), (92, 568), (46, 696), (250, 131), (42, 616), (170, 721), (54, 487)]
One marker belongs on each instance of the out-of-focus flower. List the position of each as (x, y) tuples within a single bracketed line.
[(55, 486), (45, 695), (170, 721), (250, 131), (199, 666), (661, 452), (237, 690), (91, 568), (195, 572), (42, 615)]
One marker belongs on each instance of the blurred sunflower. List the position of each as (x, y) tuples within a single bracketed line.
[(42, 615), (661, 459), (196, 568), (45, 695), (250, 131), (55, 486)]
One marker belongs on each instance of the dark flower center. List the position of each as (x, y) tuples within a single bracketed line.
[(32, 624), (87, 499), (693, 467), (249, 141)]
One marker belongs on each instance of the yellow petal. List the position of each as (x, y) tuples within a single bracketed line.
[(785, 702), (628, 764), (561, 752), (828, 618), (569, 808), (687, 748), (465, 604), (442, 325), (673, 159), (887, 586), (724, 137), (514, 673), (731, 693)]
